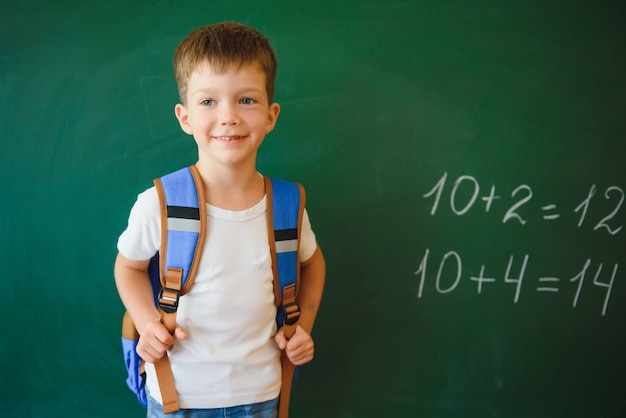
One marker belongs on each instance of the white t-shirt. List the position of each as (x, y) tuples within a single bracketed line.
[(230, 357)]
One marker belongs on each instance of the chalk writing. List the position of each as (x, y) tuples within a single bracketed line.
[(465, 194), (582, 208), (449, 275), (518, 209)]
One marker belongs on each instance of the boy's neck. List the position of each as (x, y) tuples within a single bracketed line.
[(231, 189)]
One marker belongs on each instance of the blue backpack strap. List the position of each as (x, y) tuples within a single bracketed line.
[(183, 228), (183, 233), (285, 207)]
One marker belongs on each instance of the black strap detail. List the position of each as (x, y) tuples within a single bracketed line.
[(291, 313), (285, 234), (183, 212), (168, 300)]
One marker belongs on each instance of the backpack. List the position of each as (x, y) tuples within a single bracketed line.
[(172, 270)]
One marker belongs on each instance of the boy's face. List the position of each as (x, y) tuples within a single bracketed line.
[(227, 113)]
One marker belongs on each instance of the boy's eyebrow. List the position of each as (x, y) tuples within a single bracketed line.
[(242, 90)]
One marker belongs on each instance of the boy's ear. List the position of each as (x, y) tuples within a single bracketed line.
[(273, 113), (183, 118)]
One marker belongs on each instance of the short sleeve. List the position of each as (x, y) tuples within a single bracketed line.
[(308, 243), (142, 237)]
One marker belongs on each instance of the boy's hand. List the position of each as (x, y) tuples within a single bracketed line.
[(155, 339), (299, 349)]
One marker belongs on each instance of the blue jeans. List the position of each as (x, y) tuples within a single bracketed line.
[(268, 409)]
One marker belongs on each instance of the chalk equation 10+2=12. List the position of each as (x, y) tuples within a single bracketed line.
[(522, 196)]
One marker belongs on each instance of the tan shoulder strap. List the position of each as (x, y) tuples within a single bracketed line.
[(288, 302), (172, 287)]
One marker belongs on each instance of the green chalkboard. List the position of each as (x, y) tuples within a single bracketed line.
[(465, 167)]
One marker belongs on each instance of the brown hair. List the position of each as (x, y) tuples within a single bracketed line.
[(222, 45)]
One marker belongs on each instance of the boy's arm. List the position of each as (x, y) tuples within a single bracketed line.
[(135, 290), (300, 348), (312, 278)]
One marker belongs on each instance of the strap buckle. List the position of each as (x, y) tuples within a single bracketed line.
[(291, 313), (168, 300)]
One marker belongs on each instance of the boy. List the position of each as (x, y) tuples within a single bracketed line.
[(225, 352)]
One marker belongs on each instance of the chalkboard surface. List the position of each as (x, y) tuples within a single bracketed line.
[(465, 168)]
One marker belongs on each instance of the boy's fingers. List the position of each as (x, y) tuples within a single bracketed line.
[(299, 338), (300, 348), (150, 352), (164, 337)]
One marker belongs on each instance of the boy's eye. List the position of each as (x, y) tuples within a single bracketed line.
[(207, 102), (247, 100)]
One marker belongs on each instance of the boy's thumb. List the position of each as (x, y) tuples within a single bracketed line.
[(280, 339), (180, 333)]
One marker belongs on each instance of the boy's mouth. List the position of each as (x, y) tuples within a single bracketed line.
[(229, 138)]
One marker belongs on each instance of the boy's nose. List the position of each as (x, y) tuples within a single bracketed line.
[(228, 115)]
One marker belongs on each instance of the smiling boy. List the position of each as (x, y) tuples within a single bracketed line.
[(225, 352)]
